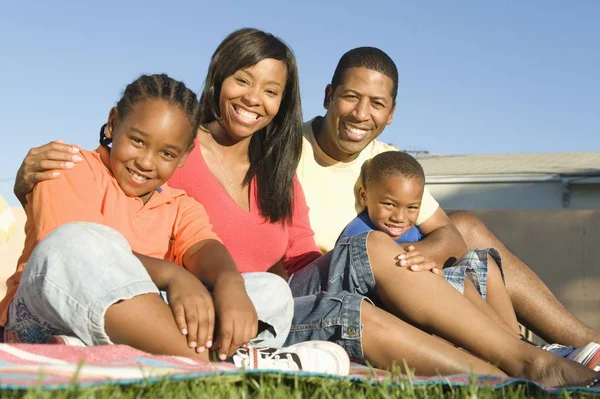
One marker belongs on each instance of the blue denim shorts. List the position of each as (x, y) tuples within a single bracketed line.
[(329, 292), (328, 295)]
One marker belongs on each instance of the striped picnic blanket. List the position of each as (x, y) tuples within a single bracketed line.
[(25, 366)]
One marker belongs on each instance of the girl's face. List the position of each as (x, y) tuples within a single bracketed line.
[(147, 146), (250, 98)]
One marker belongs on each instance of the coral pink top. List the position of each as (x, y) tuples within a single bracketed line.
[(254, 243)]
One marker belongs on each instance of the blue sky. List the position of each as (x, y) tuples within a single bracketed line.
[(475, 76)]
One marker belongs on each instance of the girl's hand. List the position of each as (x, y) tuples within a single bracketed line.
[(237, 317), (417, 261), (44, 163), (193, 309)]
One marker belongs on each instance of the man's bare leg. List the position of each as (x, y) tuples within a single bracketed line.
[(535, 305)]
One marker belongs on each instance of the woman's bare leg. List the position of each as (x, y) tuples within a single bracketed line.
[(428, 301), (425, 354), (146, 322)]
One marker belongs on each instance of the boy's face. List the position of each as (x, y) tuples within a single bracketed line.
[(148, 144), (393, 203), (358, 110)]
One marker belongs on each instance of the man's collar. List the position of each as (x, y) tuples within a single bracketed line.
[(311, 133)]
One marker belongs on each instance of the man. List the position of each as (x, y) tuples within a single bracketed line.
[(360, 102)]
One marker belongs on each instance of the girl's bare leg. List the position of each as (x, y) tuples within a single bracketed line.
[(428, 301), (146, 322)]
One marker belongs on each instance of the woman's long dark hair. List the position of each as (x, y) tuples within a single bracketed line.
[(274, 151)]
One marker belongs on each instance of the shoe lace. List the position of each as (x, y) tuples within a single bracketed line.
[(279, 360)]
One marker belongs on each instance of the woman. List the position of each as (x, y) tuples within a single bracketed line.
[(243, 173)]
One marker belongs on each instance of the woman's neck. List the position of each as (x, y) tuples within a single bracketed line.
[(228, 146)]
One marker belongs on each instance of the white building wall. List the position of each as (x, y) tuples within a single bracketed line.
[(545, 195)]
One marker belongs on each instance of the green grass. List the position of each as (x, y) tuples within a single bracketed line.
[(284, 386)]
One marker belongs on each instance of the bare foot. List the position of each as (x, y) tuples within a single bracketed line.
[(554, 371)]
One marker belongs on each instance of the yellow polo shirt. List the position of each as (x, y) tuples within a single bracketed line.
[(331, 188)]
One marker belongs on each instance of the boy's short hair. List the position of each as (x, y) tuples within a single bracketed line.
[(392, 163)]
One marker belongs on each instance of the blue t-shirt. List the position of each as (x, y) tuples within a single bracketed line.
[(362, 224)]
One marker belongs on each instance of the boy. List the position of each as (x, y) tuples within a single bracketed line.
[(392, 187)]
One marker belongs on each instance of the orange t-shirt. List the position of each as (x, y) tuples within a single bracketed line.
[(165, 227)]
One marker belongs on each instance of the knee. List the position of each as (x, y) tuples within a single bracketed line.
[(381, 250), (378, 240), (278, 285), (74, 245), (464, 220), (468, 225), (275, 293), (281, 293), (79, 235)]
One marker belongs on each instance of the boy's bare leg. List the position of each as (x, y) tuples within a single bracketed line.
[(146, 322), (535, 305), (387, 340), (428, 301), (471, 293), (498, 299)]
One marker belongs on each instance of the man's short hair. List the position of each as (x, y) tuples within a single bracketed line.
[(392, 163), (371, 58)]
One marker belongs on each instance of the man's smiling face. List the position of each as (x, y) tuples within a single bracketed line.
[(358, 110)]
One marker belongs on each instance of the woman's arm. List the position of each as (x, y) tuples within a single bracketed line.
[(43, 163)]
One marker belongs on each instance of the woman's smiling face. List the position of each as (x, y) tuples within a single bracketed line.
[(251, 97)]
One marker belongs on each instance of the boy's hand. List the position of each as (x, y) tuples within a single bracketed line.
[(416, 261), (193, 309), (237, 318)]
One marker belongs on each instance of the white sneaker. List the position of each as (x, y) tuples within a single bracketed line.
[(312, 356), (65, 340), (588, 355)]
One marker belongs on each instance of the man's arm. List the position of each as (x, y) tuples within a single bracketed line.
[(443, 243)]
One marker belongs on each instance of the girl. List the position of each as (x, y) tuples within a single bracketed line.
[(107, 235)]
